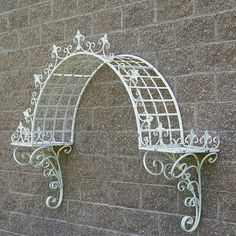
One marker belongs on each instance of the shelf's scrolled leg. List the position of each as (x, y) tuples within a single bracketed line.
[(181, 168), (46, 158)]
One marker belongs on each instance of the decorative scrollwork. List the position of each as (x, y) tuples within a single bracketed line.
[(156, 163), (158, 166), (133, 79), (191, 139), (42, 136), (179, 168), (205, 141), (161, 132), (22, 134), (182, 170), (145, 125), (47, 159)]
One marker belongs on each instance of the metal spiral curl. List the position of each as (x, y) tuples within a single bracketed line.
[(158, 167), (47, 159), (156, 163)]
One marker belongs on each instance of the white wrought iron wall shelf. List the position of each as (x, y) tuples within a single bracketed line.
[(49, 125)]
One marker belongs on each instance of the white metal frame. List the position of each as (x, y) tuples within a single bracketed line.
[(51, 121)]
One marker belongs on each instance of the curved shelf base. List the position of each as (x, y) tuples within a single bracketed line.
[(46, 158), (187, 169)]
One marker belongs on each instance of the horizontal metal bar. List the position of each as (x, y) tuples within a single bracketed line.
[(147, 87), (64, 95), (55, 118), (56, 131), (55, 85), (155, 130), (70, 75), (122, 66), (129, 59), (44, 143), (56, 106), (157, 100), (144, 76), (159, 114)]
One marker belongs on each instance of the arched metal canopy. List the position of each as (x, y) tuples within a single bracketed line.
[(52, 119)]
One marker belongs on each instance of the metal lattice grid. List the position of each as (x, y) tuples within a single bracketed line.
[(153, 101), (59, 100)]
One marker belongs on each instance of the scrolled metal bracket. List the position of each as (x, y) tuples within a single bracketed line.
[(50, 122), (46, 158), (179, 168)]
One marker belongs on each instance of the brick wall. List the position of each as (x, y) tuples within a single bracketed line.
[(107, 191)]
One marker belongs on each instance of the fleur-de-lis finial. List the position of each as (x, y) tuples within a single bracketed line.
[(191, 138), (27, 115), (54, 51), (78, 35), (206, 139), (105, 41), (160, 130), (20, 126), (78, 39), (147, 121), (37, 80)]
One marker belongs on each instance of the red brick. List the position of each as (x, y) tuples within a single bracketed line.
[(8, 5), (138, 15), (88, 6), (40, 13), (195, 30), (217, 56), (157, 37), (81, 23), (3, 23), (176, 61), (107, 20), (53, 32), (226, 86), (196, 88), (172, 9), (208, 6), (29, 37), (9, 41), (18, 19), (226, 25), (64, 8)]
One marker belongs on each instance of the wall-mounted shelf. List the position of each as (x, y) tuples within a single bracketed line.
[(49, 125)]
